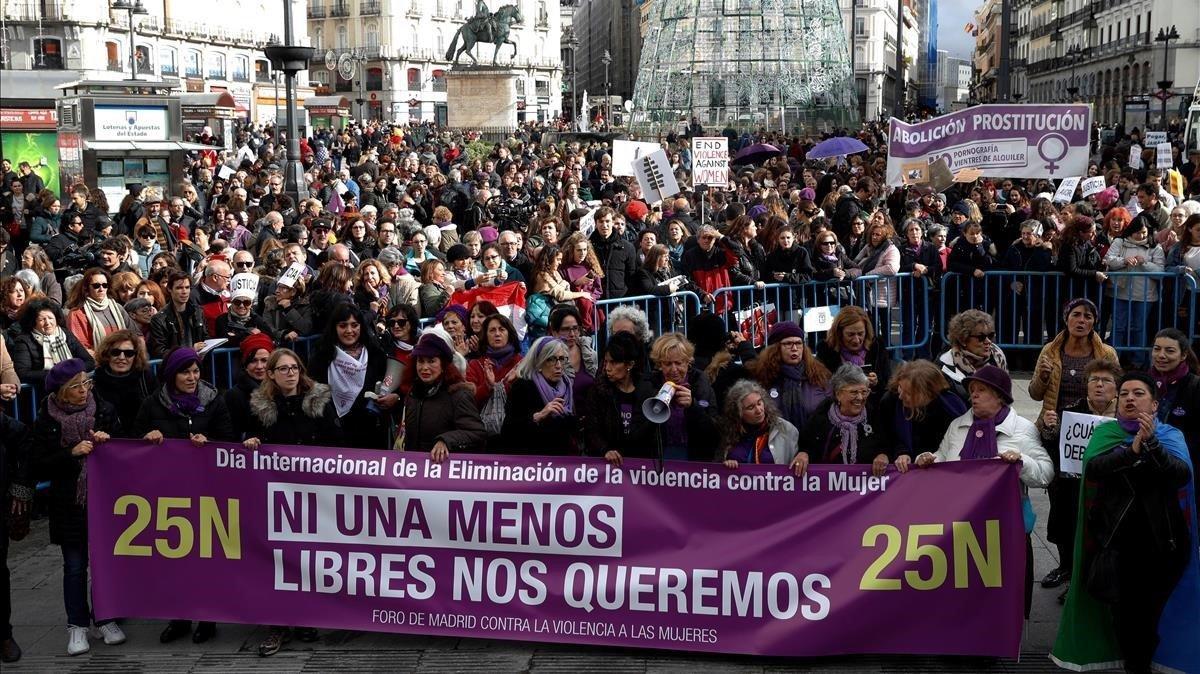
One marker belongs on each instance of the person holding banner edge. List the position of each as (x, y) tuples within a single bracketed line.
[(184, 407)]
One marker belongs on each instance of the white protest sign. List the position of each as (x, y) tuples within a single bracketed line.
[(1156, 137), (244, 284), (225, 172), (290, 275), (818, 319), (654, 175), (1066, 190), (1074, 433), (340, 187), (710, 161), (1164, 158), (1135, 156), (625, 151), (1093, 186), (587, 224)]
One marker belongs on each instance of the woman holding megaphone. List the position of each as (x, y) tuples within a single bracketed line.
[(614, 425), (689, 430)]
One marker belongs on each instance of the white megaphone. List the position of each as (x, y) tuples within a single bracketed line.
[(658, 408)]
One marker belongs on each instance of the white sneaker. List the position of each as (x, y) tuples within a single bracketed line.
[(111, 633), (77, 640)]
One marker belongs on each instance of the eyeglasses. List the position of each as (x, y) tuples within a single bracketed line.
[(148, 237), (85, 385), (286, 369), (573, 329), (396, 322), (792, 344), (97, 286), (984, 336), (829, 243), (122, 353), (508, 244), (558, 360), (243, 265), (491, 257), (1101, 380), (386, 231)]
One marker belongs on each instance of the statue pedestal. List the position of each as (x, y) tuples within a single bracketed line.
[(480, 97)]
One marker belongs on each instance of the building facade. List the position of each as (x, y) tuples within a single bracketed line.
[(953, 81), (987, 52), (397, 55), (211, 47), (613, 26), (871, 29), (1106, 53)]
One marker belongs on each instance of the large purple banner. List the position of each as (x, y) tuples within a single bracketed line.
[(1002, 141), (694, 557)]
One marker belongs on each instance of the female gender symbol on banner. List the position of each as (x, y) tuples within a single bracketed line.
[(1051, 143)]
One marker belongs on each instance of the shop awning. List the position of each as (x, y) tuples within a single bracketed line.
[(106, 145), (169, 146)]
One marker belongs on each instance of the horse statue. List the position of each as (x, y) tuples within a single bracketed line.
[(483, 29)]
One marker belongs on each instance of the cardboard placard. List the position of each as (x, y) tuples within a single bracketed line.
[(1074, 432), (710, 161), (1163, 157), (1094, 185), (655, 177), (1066, 190), (626, 151)]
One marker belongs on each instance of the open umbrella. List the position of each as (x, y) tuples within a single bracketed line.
[(838, 146), (756, 154)]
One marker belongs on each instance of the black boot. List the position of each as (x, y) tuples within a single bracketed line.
[(204, 632), (174, 630)]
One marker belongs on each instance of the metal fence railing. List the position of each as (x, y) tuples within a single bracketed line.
[(669, 313)]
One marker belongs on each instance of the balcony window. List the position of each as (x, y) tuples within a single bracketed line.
[(113, 51), (47, 53), (145, 63), (262, 71), (374, 79), (166, 58), (216, 66), (414, 79), (192, 65), (439, 80), (343, 85), (241, 69)]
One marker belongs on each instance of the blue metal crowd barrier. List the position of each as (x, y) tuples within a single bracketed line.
[(669, 313), (899, 306), (1027, 306)]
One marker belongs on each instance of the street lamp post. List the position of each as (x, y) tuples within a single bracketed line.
[(132, 8), (291, 59), (1073, 55), (573, 45), (1165, 36), (607, 60)]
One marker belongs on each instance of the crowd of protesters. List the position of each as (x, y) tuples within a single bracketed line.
[(342, 309)]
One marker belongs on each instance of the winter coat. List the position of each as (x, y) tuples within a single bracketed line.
[(1047, 390), (448, 414), (16, 444), (212, 420), (926, 254), (822, 440), (552, 436), (1136, 287), (475, 375), (236, 333), (618, 260), (361, 427), (783, 440), (27, 356), (237, 399), (928, 431), (703, 437), (794, 263), (297, 317), (125, 394), (603, 427), (51, 461), (1015, 433), (432, 298), (295, 420), (169, 329), (878, 359)]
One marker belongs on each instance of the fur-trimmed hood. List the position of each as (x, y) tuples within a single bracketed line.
[(266, 410)]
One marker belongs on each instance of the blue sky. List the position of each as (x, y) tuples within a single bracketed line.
[(953, 15)]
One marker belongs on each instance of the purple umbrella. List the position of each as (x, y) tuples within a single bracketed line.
[(838, 146), (756, 154)]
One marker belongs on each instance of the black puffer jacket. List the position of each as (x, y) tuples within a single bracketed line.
[(794, 263), (604, 428), (212, 421), (619, 260), (51, 461), (552, 436), (295, 420), (124, 393), (237, 400)]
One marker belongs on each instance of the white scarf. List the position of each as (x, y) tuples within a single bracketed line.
[(347, 376), (101, 316), (54, 347)]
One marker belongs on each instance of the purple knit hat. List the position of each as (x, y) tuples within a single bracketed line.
[(996, 378), (432, 346), (62, 373), (456, 309), (176, 361), (781, 331)]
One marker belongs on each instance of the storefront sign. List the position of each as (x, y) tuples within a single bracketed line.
[(130, 122), (689, 556), (39, 148), (1008, 141), (13, 119)]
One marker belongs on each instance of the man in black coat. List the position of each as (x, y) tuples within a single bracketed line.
[(31, 181), (849, 206), (15, 444), (618, 257)]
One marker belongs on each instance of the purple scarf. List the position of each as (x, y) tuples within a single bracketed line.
[(981, 439), (848, 427), (858, 358), (1131, 426), (500, 356), (563, 389), (1165, 379), (76, 423)]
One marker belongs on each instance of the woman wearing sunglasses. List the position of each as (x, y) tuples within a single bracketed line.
[(123, 374), (972, 345), (239, 320), (288, 311), (94, 315)]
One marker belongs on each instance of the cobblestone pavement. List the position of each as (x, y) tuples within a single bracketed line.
[(38, 618)]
